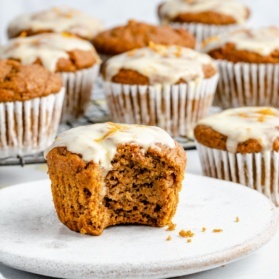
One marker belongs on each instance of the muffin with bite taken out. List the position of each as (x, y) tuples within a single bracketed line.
[(108, 174)]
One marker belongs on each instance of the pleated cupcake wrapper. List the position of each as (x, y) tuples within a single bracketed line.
[(259, 171), (203, 31), (79, 87), (247, 84), (30, 126), (175, 108)]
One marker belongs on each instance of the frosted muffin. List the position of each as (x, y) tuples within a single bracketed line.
[(248, 61), (55, 20), (166, 86), (108, 174), (241, 145), (31, 100), (138, 34), (74, 58), (204, 18)]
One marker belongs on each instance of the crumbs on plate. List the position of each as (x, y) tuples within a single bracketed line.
[(188, 233), (171, 226), (217, 230)]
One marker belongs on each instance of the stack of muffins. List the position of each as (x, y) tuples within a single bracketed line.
[(151, 76), (241, 143), (49, 56)]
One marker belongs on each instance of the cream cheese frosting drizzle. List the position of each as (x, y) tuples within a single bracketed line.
[(161, 64), (98, 142), (233, 8), (57, 20), (263, 40), (242, 124), (49, 48)]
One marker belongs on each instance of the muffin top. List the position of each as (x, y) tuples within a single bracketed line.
[(99, 142), (55, 20), (246, 45), (158, 64), (24, 82), (138, 34), (215, 12), (56, 52), (243, 130)]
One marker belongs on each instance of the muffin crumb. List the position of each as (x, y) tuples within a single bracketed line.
[(169, 238), (188, 233), (189, 240), (171, 226), (217, 230), (236, 219), (203, 229)]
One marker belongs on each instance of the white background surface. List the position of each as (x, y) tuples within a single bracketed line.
[(262, 264)]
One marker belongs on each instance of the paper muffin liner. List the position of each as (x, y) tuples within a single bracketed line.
[(247, 84), (175, 108), (203, 31), (79, 87), (259, 171), (28, 127)]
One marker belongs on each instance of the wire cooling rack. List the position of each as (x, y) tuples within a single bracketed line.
[(96, 113)]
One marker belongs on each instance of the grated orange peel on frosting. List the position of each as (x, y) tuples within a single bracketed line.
[(57, 20), (161, 64), (98, 142), (242, 124), (262, 41), (49, 48)]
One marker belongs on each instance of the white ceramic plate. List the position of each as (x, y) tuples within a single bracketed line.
[(32, 238)]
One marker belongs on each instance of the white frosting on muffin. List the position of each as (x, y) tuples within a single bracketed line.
[(49, 48), (242, 124), (233, 8), (263, 40), (98, 142), (161, 64), (57, 20)]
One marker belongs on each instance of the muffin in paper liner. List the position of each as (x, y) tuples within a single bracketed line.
[(174, 108), (258, 171), (28, 127), (202, 31), (79, 86), (75, 59), (247, 84)]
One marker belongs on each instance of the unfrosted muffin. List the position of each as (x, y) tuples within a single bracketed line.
[(108, 174), (31, 101), (242, 145), (74, 58), (248, 61), (55, 20), (137, 35), (167, 86), (203, 18)]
